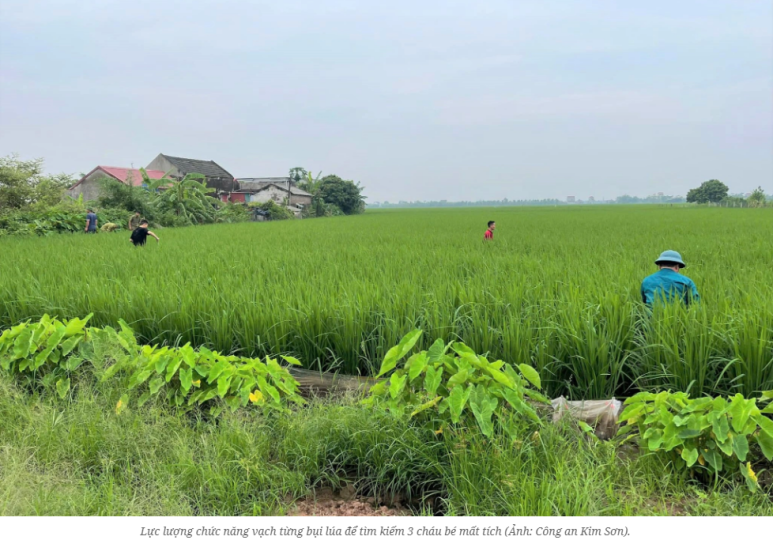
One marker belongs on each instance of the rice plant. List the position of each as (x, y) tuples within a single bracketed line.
[(558, 289)]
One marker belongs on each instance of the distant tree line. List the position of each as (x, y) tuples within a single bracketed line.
[(716, 192)]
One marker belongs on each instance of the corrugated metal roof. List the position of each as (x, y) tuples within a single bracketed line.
[(254, 185)]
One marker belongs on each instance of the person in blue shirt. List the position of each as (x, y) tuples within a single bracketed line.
[(91, 222), (667, 283)]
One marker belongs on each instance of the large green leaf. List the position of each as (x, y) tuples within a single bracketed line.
[(216, 370), (713, 459), (690, 456), (740, 409), (456, 402), (432, 379), (740, 447), (766, 444), (765, 423), (186, 378), (396, 384), (460, 378), (417, 366), (531, 375), (721, 428), (155, 384), (397, 352), (483, 406), (424, 406), (63, 386)]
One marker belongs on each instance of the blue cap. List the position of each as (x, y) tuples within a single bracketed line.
[(671, 256)]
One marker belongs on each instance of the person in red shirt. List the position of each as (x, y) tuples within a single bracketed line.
[(489, 235)]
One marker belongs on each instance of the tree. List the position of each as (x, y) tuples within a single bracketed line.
[(23, 183), (297, 174), (312, 185), (710, 191), (345, 194), (757, 198), (187, 198)]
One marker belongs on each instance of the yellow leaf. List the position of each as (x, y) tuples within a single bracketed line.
[(196, 383), (438, 432), (256, 396), (752, 474), (701, 460)]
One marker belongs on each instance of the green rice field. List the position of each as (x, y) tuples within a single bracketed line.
[(558, 288)]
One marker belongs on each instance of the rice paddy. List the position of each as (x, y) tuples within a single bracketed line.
[(558, 288)]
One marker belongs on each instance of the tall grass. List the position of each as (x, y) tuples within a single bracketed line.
[(80, 458), (558, 288)]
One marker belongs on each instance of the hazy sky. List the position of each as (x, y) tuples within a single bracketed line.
[(423, 99)]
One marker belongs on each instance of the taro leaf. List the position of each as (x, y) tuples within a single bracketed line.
[(432, 379), (747, 472), (73, 362), (155, 384), (75, 326), (721, 428), (531, 375), (69, 344), (267, 388), (500, 377), (713, 459), (726, 446), (483, 406), (436, 352), (536, 396), (428, 405), (585, 427), (122, 404), (143, 399), (766, 444), (655, 439), (768, 409), (765, 423), (173, 366), (378, 389), (396, 384), (681, 420), (690, 456), (394, 354), (417, 366), (216, 371), (62, 387), (689, 433), (459, 378), (186, 378), (741, 447), (740, 409), (188, 354), (22, 344), (456, 402), (223, 383), (292, 361)]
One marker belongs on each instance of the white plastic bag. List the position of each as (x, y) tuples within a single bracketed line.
[(601, 415)]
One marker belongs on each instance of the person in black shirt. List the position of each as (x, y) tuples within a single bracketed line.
[(141, 233)]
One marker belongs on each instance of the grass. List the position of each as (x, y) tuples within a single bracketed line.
[(78, 457), (558, 288)]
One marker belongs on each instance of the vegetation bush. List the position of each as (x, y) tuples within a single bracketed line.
[(443, 389), (710, 434), (274, 211)]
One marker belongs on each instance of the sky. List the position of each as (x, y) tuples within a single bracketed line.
[(427, 100)]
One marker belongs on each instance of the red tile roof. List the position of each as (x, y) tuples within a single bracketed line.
[(123, 174), (132, 176)]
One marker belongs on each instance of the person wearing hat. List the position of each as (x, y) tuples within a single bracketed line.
[(667, 283)]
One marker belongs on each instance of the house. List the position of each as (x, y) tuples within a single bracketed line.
[(215, 176), (89, 185), (280, 190)]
